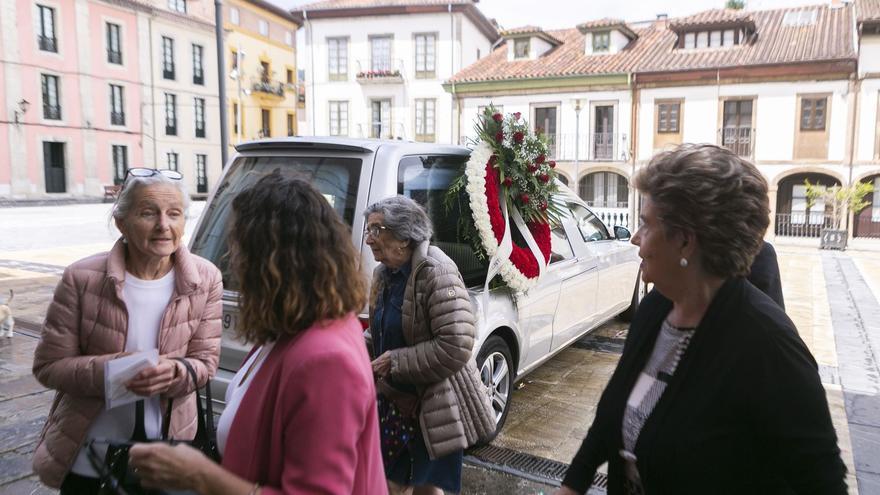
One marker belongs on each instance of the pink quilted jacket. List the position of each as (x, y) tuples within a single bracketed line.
[(86, 326)]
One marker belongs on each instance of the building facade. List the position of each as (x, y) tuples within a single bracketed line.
[(610, 95), (262, 87), (87, 86), (375, 68)]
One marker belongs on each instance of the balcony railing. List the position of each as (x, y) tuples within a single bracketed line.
[(47, 44), (739, 140), (613, 216), (394, 130), (867, 226), (170, 130), (801, 224), (114, 57), (52, 112), (168, 72), (117, 118), (380, 71), (593, 146), (266, 86), (198, 78), (200, 131)]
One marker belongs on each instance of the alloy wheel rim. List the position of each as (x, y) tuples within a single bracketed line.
[(495, 376)]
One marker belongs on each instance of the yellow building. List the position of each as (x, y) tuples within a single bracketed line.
[(261, 64)]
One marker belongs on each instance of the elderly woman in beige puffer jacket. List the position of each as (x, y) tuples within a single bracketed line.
[(148, 292), (432, 404)]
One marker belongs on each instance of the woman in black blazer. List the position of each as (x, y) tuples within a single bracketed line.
[(715, 391)]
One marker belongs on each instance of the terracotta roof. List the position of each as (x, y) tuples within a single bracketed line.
[(711, 18), (600, 24), (366, 4), (524, 31), (828, 39), (868, 11), (271, 7), (354, 8)]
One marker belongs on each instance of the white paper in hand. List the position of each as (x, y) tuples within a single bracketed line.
[(119, 371)]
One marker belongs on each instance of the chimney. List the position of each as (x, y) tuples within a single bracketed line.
[(661, 20)]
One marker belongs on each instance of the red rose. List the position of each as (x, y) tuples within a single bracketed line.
[(497, 117), (507, 182), (517, 115), (518, 137), (524, 198), (499, 136), (493, 159), (543, 205), (544, 177), (540, 159), (552, 164), (533, 168)]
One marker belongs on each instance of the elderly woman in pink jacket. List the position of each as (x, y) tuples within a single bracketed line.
[(147, 293)]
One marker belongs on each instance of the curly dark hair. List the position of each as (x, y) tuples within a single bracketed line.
[(293, 257), (714, 193)]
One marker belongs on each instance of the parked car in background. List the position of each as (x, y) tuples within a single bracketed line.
[(592, 276)]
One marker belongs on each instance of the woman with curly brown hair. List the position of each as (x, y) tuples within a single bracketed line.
[(301, 412), (715, 391)]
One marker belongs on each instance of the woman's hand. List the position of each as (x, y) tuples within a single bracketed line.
[(160, 465), (382, 365), (156, 380)]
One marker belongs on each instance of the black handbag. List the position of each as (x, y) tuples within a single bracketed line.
[(113, 470)]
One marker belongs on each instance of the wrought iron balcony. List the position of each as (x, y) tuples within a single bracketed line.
[(47, 44), (267, 87), (117, 118), (198, 78), (170, 130), (380, 71), (168, 72), (114, 57), (588, 146), (52, 112), (200, 131), (740, 140)]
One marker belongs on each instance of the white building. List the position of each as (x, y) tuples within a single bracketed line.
[(867, 125), (619, 93), (182, 128), (375, 68)]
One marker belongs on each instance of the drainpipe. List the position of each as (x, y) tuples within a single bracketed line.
[(311, 70), (153, 107), (452, 136), (221, 82), (634, 133)]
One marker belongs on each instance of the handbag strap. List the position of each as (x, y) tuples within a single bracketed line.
[(140, 433), (205, 421)]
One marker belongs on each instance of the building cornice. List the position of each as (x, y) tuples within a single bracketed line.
[(542, 84)]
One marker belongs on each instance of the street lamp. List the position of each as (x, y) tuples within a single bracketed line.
[(577, 143), (23, 106), (236, 74)]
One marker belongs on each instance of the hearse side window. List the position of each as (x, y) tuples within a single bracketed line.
[(336, 178), (425, 179), (592, 229)]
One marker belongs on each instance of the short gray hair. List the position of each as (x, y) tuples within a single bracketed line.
[(125, 200), (405, 218)]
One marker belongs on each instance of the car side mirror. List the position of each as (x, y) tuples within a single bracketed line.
[(622, 233)]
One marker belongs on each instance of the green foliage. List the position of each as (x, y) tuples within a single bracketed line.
[(735, 4), (841, 199)]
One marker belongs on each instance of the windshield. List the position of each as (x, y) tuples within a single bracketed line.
[(336, 178)]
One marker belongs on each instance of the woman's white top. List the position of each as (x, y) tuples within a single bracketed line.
[(146, 301), (236, 390)]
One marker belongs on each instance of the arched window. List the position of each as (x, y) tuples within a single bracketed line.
[(605, 190)]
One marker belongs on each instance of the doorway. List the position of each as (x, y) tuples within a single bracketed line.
[(53, 165)]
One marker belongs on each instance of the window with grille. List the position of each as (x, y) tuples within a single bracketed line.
[(337, 56), (338, 118), (46, 39), (266, 120), (199, 107), (51, 98), (425, 120), (172, 161), (668, 117), (120, 163), (201, 174), (813, 114), (426, 47), (198, 66), (114, 44), (380, 53), (167, 57), (117, 105), (601, 41), (177, 6), (170, 114)]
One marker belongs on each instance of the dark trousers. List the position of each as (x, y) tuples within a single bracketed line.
[(75, 484)]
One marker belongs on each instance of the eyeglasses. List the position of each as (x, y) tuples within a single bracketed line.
[(373, 230), (149, 172)]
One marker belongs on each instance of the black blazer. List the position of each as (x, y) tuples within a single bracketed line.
[(745, 412), (764, 274)]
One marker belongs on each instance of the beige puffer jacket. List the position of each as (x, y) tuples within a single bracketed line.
[(438, 326), (86, 327)]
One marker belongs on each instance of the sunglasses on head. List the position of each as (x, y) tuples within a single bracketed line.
[(149, 172)]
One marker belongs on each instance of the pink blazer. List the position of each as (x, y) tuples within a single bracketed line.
[(308, 423)]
